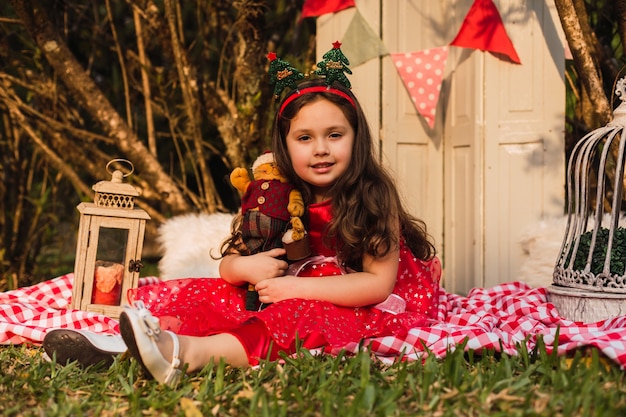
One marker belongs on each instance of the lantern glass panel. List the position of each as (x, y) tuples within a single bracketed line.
[(109, 267)]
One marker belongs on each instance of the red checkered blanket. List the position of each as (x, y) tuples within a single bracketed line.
[(499, 318)]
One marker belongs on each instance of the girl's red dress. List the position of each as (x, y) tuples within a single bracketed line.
[(205, 306)]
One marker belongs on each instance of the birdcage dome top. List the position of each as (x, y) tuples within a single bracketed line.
[(619, 114)]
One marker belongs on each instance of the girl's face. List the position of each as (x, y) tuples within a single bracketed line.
[(319, 143)]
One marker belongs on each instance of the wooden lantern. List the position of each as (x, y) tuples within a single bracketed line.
[(109, 245)]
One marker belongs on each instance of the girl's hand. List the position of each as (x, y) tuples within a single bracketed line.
[(282, 288), (238, 269), (355, 289)]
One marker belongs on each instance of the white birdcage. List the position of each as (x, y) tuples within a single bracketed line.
[(592, 261), (594, 257)]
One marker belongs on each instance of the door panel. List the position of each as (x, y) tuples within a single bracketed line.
[(463, 192), (410, 148), (524, 153)]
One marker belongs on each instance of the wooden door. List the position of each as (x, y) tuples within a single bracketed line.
[(410, 148), (524, 159)]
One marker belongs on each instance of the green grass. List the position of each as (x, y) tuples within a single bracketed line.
[(462, 384)]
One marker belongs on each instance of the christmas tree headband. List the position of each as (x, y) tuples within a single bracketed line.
[(333, 67)]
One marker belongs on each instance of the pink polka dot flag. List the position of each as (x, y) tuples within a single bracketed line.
[(422, 73)]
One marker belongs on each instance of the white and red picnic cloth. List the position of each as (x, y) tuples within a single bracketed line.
[(498, 318), (27, 313)]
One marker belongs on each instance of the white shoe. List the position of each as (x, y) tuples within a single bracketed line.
[(82, 346), (140, 330)]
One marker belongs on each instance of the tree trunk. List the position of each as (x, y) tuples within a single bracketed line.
[(95, 103), (575, 25), (620, 11)]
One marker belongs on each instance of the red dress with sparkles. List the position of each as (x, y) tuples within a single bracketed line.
[(205, 306)]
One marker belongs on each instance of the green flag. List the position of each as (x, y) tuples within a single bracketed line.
[(361, 43)]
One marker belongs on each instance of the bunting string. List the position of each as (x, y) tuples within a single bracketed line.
[(422, 71)]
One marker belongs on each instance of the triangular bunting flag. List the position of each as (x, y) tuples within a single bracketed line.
[(483, 29), (422, 73), (313, 8), (361, 43)]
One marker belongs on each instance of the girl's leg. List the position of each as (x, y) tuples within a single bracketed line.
[(243, 346), (162, 354), (240, 347), (197, 352)]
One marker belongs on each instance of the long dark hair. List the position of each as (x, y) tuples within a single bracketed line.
[(366, 204)]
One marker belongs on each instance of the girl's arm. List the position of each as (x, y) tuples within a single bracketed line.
[(238, 269), (356, 289)]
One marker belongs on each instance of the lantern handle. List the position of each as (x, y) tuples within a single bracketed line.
[(132, 167)]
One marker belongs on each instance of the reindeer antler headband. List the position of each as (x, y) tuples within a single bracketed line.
[(333, 67)]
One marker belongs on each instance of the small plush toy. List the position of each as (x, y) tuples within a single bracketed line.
[(269, 205)]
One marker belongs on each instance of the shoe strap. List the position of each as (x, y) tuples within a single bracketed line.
[(148, 323), (173, 373)]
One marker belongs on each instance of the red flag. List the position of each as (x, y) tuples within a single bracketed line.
[(483, 29), (314, 8)]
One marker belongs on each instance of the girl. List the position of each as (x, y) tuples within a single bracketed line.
[(374, 272)]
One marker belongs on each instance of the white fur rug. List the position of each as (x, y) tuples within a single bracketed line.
[(187, 243)]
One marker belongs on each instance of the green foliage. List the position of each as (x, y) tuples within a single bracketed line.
[(609, 54), (462, 384), (618, 251)]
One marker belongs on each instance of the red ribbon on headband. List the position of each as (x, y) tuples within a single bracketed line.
[(315, 89)]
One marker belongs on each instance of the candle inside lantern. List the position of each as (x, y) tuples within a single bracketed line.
[(107, 283)]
